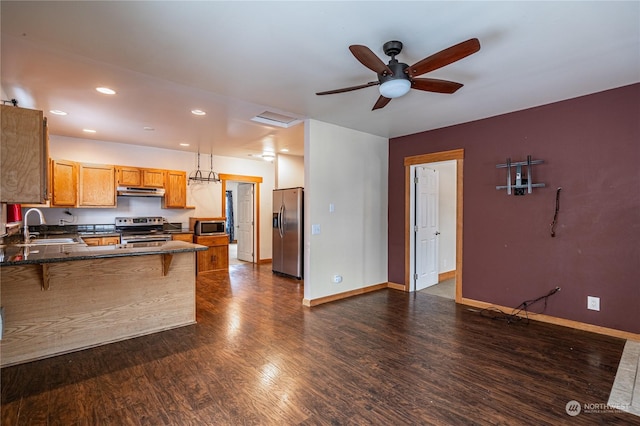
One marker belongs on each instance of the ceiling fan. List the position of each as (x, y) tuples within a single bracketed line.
[(396, 78)]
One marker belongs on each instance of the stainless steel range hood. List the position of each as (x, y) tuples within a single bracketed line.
[(133, 191)]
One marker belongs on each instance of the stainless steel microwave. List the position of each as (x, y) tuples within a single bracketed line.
[(209, 227)]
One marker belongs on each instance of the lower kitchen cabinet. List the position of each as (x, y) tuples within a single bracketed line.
[(101, 241), (216, 258), (186, 237)]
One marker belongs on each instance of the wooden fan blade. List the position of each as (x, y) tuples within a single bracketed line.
[(348, 89), (444, 57), (434, 85), (381, 103), (369, 59)]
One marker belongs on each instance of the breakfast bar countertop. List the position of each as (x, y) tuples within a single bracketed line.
[(16, 254)]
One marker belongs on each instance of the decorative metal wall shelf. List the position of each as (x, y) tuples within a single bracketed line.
[(520, 185)]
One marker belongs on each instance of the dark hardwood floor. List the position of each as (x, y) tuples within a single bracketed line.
[(257, 356)]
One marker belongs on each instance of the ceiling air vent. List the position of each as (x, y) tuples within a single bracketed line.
[(275, 119)]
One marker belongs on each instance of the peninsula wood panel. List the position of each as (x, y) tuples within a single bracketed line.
[(92, 302)]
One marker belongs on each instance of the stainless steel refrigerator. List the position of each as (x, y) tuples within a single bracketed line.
[(288, 231)]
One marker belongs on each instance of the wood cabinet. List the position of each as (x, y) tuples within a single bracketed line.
[(97, 185), (64, 183), (101, 241), (129, 176), (140, 177), (175, 195), (94, 185), (153, 178), (216, 258), (24, 147), (186, 237)]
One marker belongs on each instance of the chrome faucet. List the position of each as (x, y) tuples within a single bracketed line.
[(26, 226)]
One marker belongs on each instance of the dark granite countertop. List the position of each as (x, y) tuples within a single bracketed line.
[(17, 255)]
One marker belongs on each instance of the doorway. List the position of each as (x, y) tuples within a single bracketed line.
[(246, 216), (428, 161)]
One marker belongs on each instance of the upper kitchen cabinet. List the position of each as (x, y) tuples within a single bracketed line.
[(153, 178), (97, 186), (24, 151), (129, 176), (64, 183), (140, 177), (175, 196)]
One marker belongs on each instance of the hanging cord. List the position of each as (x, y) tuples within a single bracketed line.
[(555, 215), (516, 313)]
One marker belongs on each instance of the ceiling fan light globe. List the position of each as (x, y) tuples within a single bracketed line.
[(395, 88)]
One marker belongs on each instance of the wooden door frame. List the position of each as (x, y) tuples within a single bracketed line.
[(458, 156), (257, 180)]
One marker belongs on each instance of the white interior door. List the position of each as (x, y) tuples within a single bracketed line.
[(426, 227), (244, 226)]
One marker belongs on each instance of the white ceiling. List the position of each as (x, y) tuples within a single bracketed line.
[(236, 59)]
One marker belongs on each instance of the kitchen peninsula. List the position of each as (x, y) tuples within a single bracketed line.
[(60, 298)]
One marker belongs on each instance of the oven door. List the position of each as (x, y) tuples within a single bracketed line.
[(132, 239)]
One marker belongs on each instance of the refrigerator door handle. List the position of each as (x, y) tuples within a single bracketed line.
[(280, 221)]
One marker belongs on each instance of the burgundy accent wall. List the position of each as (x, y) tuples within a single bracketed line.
[(591, 149)]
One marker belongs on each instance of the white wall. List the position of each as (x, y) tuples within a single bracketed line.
[(206, 198), (289, 171), (348, 169)]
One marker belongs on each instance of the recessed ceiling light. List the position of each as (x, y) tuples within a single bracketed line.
[(148, 128), (184, 144), (106, 90), (198, 112), (88, 130), (284, 150), (57, 112)]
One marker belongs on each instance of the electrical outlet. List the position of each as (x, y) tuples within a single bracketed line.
[(337, 279), (593, 303), (61, 222)]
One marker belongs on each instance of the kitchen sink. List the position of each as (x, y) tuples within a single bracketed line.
[(53, 241), (49, 242)]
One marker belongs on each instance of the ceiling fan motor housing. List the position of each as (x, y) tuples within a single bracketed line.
[(398, 72), (392, 48)]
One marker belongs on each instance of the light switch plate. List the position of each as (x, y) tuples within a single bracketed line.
[(315, 229)]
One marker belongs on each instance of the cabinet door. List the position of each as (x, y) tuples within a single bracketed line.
[(220, 257), (24, 155), (175, 195), (97, 185), (129, 176), (110, 241), (153, 178), (64, 183), (92, 241)]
